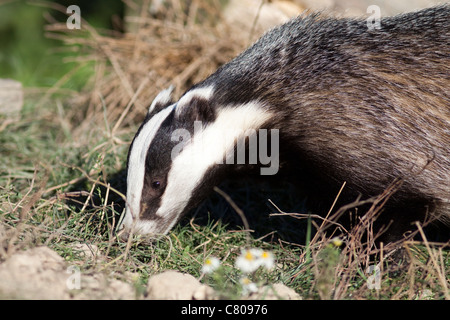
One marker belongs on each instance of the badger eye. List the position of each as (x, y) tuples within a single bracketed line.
[(156, 184)]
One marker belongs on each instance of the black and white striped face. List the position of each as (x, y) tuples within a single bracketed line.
[(178, 154)]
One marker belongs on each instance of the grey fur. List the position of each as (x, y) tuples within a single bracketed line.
[(355, 105)]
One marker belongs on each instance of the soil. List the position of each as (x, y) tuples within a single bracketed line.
[(40, 273)]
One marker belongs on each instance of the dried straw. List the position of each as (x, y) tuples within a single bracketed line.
[(172, 45)]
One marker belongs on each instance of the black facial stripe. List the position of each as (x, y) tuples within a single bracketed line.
[(158, 154), (157, 166), (147, 118)]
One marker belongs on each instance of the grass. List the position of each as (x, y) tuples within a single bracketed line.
[(62, 182)]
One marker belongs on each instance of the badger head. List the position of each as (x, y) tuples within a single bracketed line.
[(178, 155)]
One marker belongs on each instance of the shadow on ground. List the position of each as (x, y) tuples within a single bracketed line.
[(256, 199)]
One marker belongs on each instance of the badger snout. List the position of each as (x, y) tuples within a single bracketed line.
[(153, 225)]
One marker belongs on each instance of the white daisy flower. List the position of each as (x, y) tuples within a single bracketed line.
[(248, 286), (249, 260), (211, 264), (267, 259)]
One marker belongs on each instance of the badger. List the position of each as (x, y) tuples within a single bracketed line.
[(326, 99)]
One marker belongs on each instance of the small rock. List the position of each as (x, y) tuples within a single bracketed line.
[(99, 286), (11, 97), (277, 291), (38, 273), (203, 292), (177, 286), (88, 251)]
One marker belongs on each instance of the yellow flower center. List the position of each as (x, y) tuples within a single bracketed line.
[(336, 242), (249, 256), (246, 281)]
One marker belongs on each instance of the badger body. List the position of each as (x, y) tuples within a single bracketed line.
[(349, 104)]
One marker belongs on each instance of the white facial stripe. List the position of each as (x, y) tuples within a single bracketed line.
[(136, 164), (208, 147), (204, 93), (143, 227), (163, 97)]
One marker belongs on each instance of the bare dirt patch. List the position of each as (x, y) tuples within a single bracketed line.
[(40, 273)]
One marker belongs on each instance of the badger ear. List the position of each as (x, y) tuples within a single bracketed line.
[(161, 101), (198, 110), (196, 105)]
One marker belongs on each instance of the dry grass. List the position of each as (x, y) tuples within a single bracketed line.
[(178, 45), (337, 261)]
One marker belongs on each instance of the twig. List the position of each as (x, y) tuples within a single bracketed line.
[(237, 209)]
